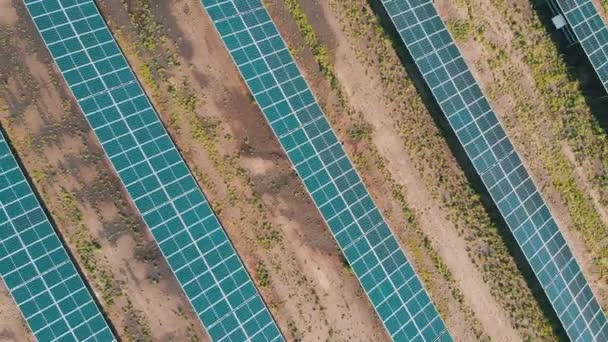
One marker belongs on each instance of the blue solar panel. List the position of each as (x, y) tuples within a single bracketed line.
[(150, 167), (590, 30), (36, 268), (294, 115), (499, 166)]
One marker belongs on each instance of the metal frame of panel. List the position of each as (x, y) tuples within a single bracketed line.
[(36, 267), (152, 170), (486, 144), (590, 30), (282, 93)]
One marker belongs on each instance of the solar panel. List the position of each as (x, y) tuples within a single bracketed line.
[(152, 170), (590, 30), (501, 169), (295, 117), (36, 268)]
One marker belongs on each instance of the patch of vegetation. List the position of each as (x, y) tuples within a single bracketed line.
[(150, 31), (318, 49), (268, 237), (183, 96), (360, 132), (145, 72), (346, 265), (88, 248), (460, 29), (136, 325), (262, 275), (39, 176), (68, 202)]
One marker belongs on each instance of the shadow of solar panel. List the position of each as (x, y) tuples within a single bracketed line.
[(499, 166), (290, 108), (156, 177), (590, 30), (36, 268)]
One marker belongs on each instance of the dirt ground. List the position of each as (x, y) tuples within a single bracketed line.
[(12, 325)]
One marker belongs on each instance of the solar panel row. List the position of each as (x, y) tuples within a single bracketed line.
[(590, 30), (486, 144), (36, 268), (152, 170), (281, 92)]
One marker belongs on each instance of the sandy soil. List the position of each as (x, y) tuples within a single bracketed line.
[(61, 154), (498, 32), (309, 292), (12, 325), (8, 15)]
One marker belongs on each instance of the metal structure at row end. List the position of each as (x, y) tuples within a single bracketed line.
[(499, 166), (370, 247), (584, 21)]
